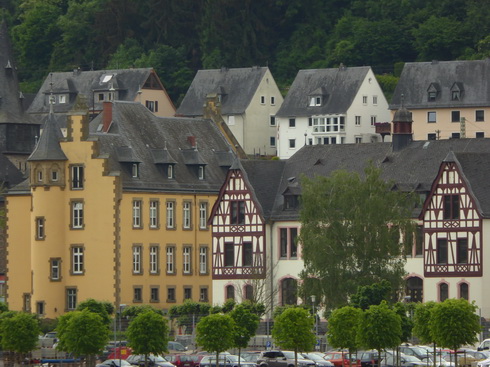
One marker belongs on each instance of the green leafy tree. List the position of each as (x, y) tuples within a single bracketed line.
[(133, 311), (215, 333), (379, 328), (83, 333), (350, 233), (148, 333), (19, 333), (293, 330), (343, 327), (454, 323), (100, 308), (189, 313), (246, 323), (421, 327), (405, 310), (373, 294)]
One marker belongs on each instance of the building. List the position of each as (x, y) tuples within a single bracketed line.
[(99, 86), (249, 99), (331, 106), (115, 211), (448, 99), (256, 217)]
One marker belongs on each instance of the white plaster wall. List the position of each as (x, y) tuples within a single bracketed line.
[(237, 128), (285, 133)]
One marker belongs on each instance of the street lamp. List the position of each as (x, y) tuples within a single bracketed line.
[(117, 319), (313, 303)]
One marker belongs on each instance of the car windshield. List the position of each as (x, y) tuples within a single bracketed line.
[(314, 357), (411, 359), (288, 355), (229, 358)]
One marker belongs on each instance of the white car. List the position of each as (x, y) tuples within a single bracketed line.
[(484, 363)]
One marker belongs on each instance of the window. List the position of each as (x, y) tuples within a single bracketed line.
[(291, 201), (77, 266), (289, 291), (455, 116), (170, 260), (237, 212), (292, 143), (443, 292), (40, 176), (55, 269), (442, 251), (154, 294), (358, 120), (186, 257), (273, 100), (414, 289), (358, 140), (462, 251), (272, 121), (373, 120), (137, 213), (40, 308), (231, 120), (292, 122), (229, 254), (71, 299), (203, 260), (152, 106), (431, 96), (154, 261), (375, 100), (272, 141), (187, 293), (247, 254), (451, 206), (137, 294), (203, 294), (40, 233), (77, 175), (455, 95), (364, 100), (431, 136), (77, 214), (26, 302), (137, 249), (480, 134), (170, 171), (315, 101), (419, 241), (248, 292), (230, 292), (201, 173), (171, 294), (479, 115), (154, 222), (186, 215), (54, 175), (464, 291), (135, 172), (100, 96), (262, 99), (288, 242), (203, 215), (455, 135), (431, 116), (62, 98), (170, 214)]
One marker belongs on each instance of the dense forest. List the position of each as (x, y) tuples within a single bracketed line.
[(179, 37)]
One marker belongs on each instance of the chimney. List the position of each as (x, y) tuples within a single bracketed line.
[(192, 141), (402, 129), (106, 116)]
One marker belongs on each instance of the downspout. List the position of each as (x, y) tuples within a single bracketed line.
[(117, 244), (272, 277)]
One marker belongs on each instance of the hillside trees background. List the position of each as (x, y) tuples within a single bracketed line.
[(179, 37)]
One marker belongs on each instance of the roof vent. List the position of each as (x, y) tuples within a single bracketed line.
[(426, 145)]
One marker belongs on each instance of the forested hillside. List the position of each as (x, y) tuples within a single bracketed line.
[(178, 37)]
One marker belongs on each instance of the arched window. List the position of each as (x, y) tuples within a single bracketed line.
[(249, 292), (230, 292), (443, 292), (415, 289), (464, 291), (289, 291)]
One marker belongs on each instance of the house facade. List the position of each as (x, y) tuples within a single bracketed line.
[(115, 211), (248, 99), (448, 99), (331, 106)]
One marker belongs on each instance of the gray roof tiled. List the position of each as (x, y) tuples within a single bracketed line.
[(237, 87), (48, 147), (339, 86), (156, 141), (471, 78)]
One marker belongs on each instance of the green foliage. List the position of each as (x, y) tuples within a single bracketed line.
[(47, 325), (215, 333), (148, 333), (19, 332), (228, 306), (278, 310), (246, 323), (293, 330), (373, 294), (388, 84), (454, 323), (404, 310), (3, 307), (132, 311), (421, 319), (100, 308), (343, 327), (351, 228)]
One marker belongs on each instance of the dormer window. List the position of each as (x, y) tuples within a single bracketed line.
[(455, 95), (135, 170), (170, 171), (433, 92), (62, 98), (432, 96), (315, 101), (457, 91), (201, 172), (54, 176)]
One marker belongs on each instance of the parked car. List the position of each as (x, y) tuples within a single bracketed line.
[(416, 351), (153, 361), (251, 356), (484, 345), (368, 358), (175, 347), (225, 360), (404, 361), (341, 359), (184, 360), (114, 363), (276, 358), (484, 363), (318, 359)]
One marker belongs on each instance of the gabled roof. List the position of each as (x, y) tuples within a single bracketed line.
[(340, 85), (154, 141), (236, 86), (472, 78)]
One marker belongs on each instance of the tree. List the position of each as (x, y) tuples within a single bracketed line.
[(379, 328), (83, 333), (246, 323), (293, 329), (100, 308), (19, 333), (372, 294), (148, 334), (215, 333), (351, 228), (342, 328), (454, 323), (421, 327)]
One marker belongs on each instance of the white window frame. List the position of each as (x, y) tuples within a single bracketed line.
[(137, 259), (201, 172), (231, 120), (154, 213), (373, 120), (358, 120), (71, 299), (431, 117), (272, 141), (375, 100), (262, 99), (203, 260), (358, 139), (40, 228), (272, 120), (170, 259), (186, 260), (170, 214), (154, 260), (292, 143), (170, 171), (137, 204), (77, 260), (203, 215), (364, 100), (77, 214), (62, 98), (186, 214), (135, 170), (273, 100), (55, 271)]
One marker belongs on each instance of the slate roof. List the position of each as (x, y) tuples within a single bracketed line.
[(156, 141), (338, 85), (237, 87), (472, 78), (48, 146)]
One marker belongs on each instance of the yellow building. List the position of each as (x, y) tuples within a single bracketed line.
[(116, 211)]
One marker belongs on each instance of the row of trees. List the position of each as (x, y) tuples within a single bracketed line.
[(179, 37)]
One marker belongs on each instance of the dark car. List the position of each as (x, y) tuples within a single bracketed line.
[(404, 361), (277, 358), (153, 361), (318, 359), (184, 360), (368, 358), (225, 360)]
